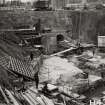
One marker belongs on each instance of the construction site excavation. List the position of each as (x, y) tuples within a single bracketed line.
[(52, 52)]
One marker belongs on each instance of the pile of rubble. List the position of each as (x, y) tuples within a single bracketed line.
[(62, 81), (17, 77)]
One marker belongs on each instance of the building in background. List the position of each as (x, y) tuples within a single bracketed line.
[(2, 2), (75, 4), (76, 1), (58, 4), (55, 4)]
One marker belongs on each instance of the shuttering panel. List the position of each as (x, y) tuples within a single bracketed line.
[(21, 67), (101, 41), (24, 68)]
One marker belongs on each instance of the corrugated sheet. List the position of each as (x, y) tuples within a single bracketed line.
[(26, 68), (21, 67), (4, 61)]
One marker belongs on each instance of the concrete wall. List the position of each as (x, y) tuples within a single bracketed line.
[(84, 25)]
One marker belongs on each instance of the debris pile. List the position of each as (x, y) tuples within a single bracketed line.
[(57, 67), (17, 84), (61, 80)]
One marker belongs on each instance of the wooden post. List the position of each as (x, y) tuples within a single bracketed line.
[(48, 74)]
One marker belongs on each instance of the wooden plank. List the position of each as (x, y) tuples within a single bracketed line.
[(61, 52), (5, 97), (16, 30), (12, 97)]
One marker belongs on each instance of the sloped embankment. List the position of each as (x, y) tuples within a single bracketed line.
[(9, 45)]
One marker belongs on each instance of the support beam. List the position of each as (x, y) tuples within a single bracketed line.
[(70, 49)]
